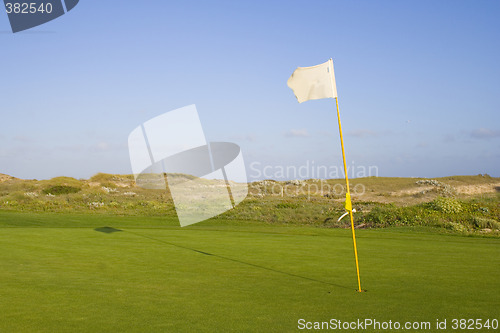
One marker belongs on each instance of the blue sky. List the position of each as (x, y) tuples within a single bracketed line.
[(418, 84)]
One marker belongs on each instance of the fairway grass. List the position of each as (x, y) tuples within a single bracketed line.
[(58, 274)]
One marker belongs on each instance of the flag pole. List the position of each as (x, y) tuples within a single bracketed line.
[(348, 203)]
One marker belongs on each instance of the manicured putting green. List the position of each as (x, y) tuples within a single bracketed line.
[(57, 273)]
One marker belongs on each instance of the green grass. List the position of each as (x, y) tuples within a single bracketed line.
[(60, 275)]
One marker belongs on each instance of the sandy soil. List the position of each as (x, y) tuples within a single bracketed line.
[(5, 177), (478, 189)]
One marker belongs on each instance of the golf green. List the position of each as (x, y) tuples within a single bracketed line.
[(69, 273)]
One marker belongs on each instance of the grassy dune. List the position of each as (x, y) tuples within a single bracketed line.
[(461, 204)]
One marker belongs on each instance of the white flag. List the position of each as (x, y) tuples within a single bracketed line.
[(314, 82)]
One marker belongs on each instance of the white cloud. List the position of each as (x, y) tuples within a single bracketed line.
[(362, 133), (326, 133), (484, 133), (103, 146), (422, 145), (449, 138), (297, 133), (248, 137), (22, 138)]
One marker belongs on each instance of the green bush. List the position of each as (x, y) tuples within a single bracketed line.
[(446, 205), (456, 227), (388, 216), (391, 215), (483, 223), (61, 189), (106, 177), (67, 181)]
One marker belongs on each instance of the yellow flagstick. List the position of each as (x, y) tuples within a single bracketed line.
[(348, 204)]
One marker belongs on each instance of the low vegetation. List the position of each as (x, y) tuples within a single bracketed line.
[(465, 204)]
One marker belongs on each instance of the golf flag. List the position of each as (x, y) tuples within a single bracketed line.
[(314, 82), (318, 82), (348, 203)]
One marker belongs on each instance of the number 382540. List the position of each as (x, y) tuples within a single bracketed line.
[(28, 8)]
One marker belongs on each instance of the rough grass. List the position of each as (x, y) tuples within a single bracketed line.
[(385, 201), (107, 177)]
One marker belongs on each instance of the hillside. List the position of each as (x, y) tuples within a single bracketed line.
[(457, 203)]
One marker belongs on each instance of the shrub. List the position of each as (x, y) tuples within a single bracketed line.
[(106, 177), (381, 216), (446, 205), (67, 181), (456, 227), (483, 223), (61, 189)]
